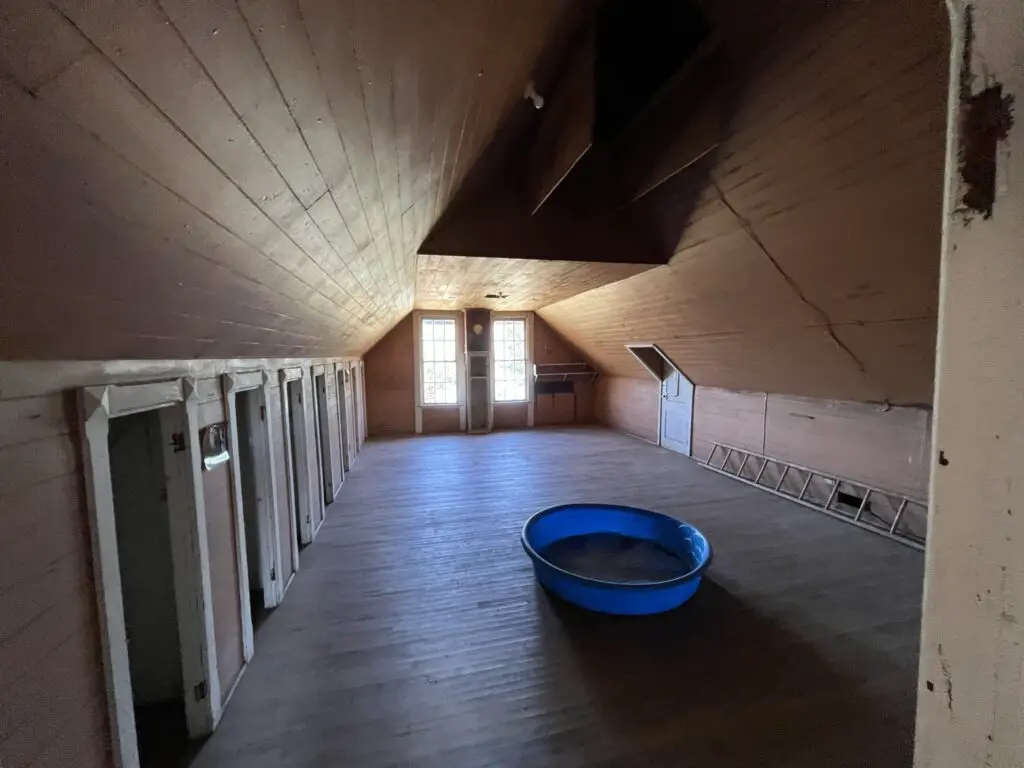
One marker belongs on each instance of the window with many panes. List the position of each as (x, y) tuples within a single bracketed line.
[(438, 359), (509, 345)]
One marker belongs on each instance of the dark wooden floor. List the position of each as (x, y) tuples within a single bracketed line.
[(414, 635)]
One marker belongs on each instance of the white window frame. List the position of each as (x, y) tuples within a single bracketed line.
[(177, 403), (530, 400), (460, 365), (527, 361)]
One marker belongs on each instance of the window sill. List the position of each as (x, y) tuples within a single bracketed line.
[(511, 402), (440, 405)]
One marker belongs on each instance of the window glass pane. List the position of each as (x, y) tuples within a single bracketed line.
[(438, 356), (510, 361)]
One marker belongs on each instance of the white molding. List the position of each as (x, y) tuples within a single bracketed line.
[(527, 318), (360, 387), (191, 554), (229, 382), (291, 374), (37, 378), (323, 430), (99, 495), (123, 400), (272, 506), (289, 470), (178, 414), (296, 450), (313, 464)]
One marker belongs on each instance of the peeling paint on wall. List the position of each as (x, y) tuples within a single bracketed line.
[(986, 118)]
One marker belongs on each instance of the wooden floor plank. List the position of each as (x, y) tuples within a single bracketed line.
[(415, 634)]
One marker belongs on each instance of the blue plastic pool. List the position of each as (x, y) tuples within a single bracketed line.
[(615, 559)]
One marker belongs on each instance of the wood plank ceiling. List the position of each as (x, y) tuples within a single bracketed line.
[(245, 178), (254, 178), (810, 263)]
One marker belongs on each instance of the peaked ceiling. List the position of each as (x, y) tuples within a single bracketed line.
[(247, 178), (275, 178)]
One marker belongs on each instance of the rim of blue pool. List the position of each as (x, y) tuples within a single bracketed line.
[(607, 596)]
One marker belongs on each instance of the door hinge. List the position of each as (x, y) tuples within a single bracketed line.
[(263, 413), (201, 691), (178, 441)]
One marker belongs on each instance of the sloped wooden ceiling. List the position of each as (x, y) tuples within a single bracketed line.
[(809, 265), (245, 178)]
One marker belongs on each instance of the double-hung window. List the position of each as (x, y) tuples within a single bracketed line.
[(439, 361), (510, 361)]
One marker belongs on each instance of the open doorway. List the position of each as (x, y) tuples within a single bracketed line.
[(151, 568), (675, 417), (254, 494), (143, 525), (331, 473), (295, 417)]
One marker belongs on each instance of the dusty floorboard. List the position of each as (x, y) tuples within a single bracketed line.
[(415, 635)]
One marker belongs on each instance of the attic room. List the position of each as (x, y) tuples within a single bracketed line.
[(539, 383)]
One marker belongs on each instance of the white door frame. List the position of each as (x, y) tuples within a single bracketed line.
[(661, 377), (234, 384), (178, 411), (359, 381), (329, 485), (296, 452), (344, 417)]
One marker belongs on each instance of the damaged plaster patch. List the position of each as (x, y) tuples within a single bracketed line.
[(986, 118), (948, 675)]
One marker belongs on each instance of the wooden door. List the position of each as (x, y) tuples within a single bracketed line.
[(676, 413)]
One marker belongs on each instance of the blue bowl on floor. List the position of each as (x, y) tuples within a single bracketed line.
[(614, 559)]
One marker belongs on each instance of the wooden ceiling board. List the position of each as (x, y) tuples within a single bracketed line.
[(458, 282), (282, 159), (831, 173)]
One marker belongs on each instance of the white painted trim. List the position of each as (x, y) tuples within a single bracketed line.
[(531, 381), (290, 374), (191, 554), (330, 486), (178, 413), (361, 402), (299, 443), (272, 507), (527, 318), (314, 467), (37, 378), (289, 467), (229, 382), (661, 386), (344, 418), (124, 400), (99, 493)]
